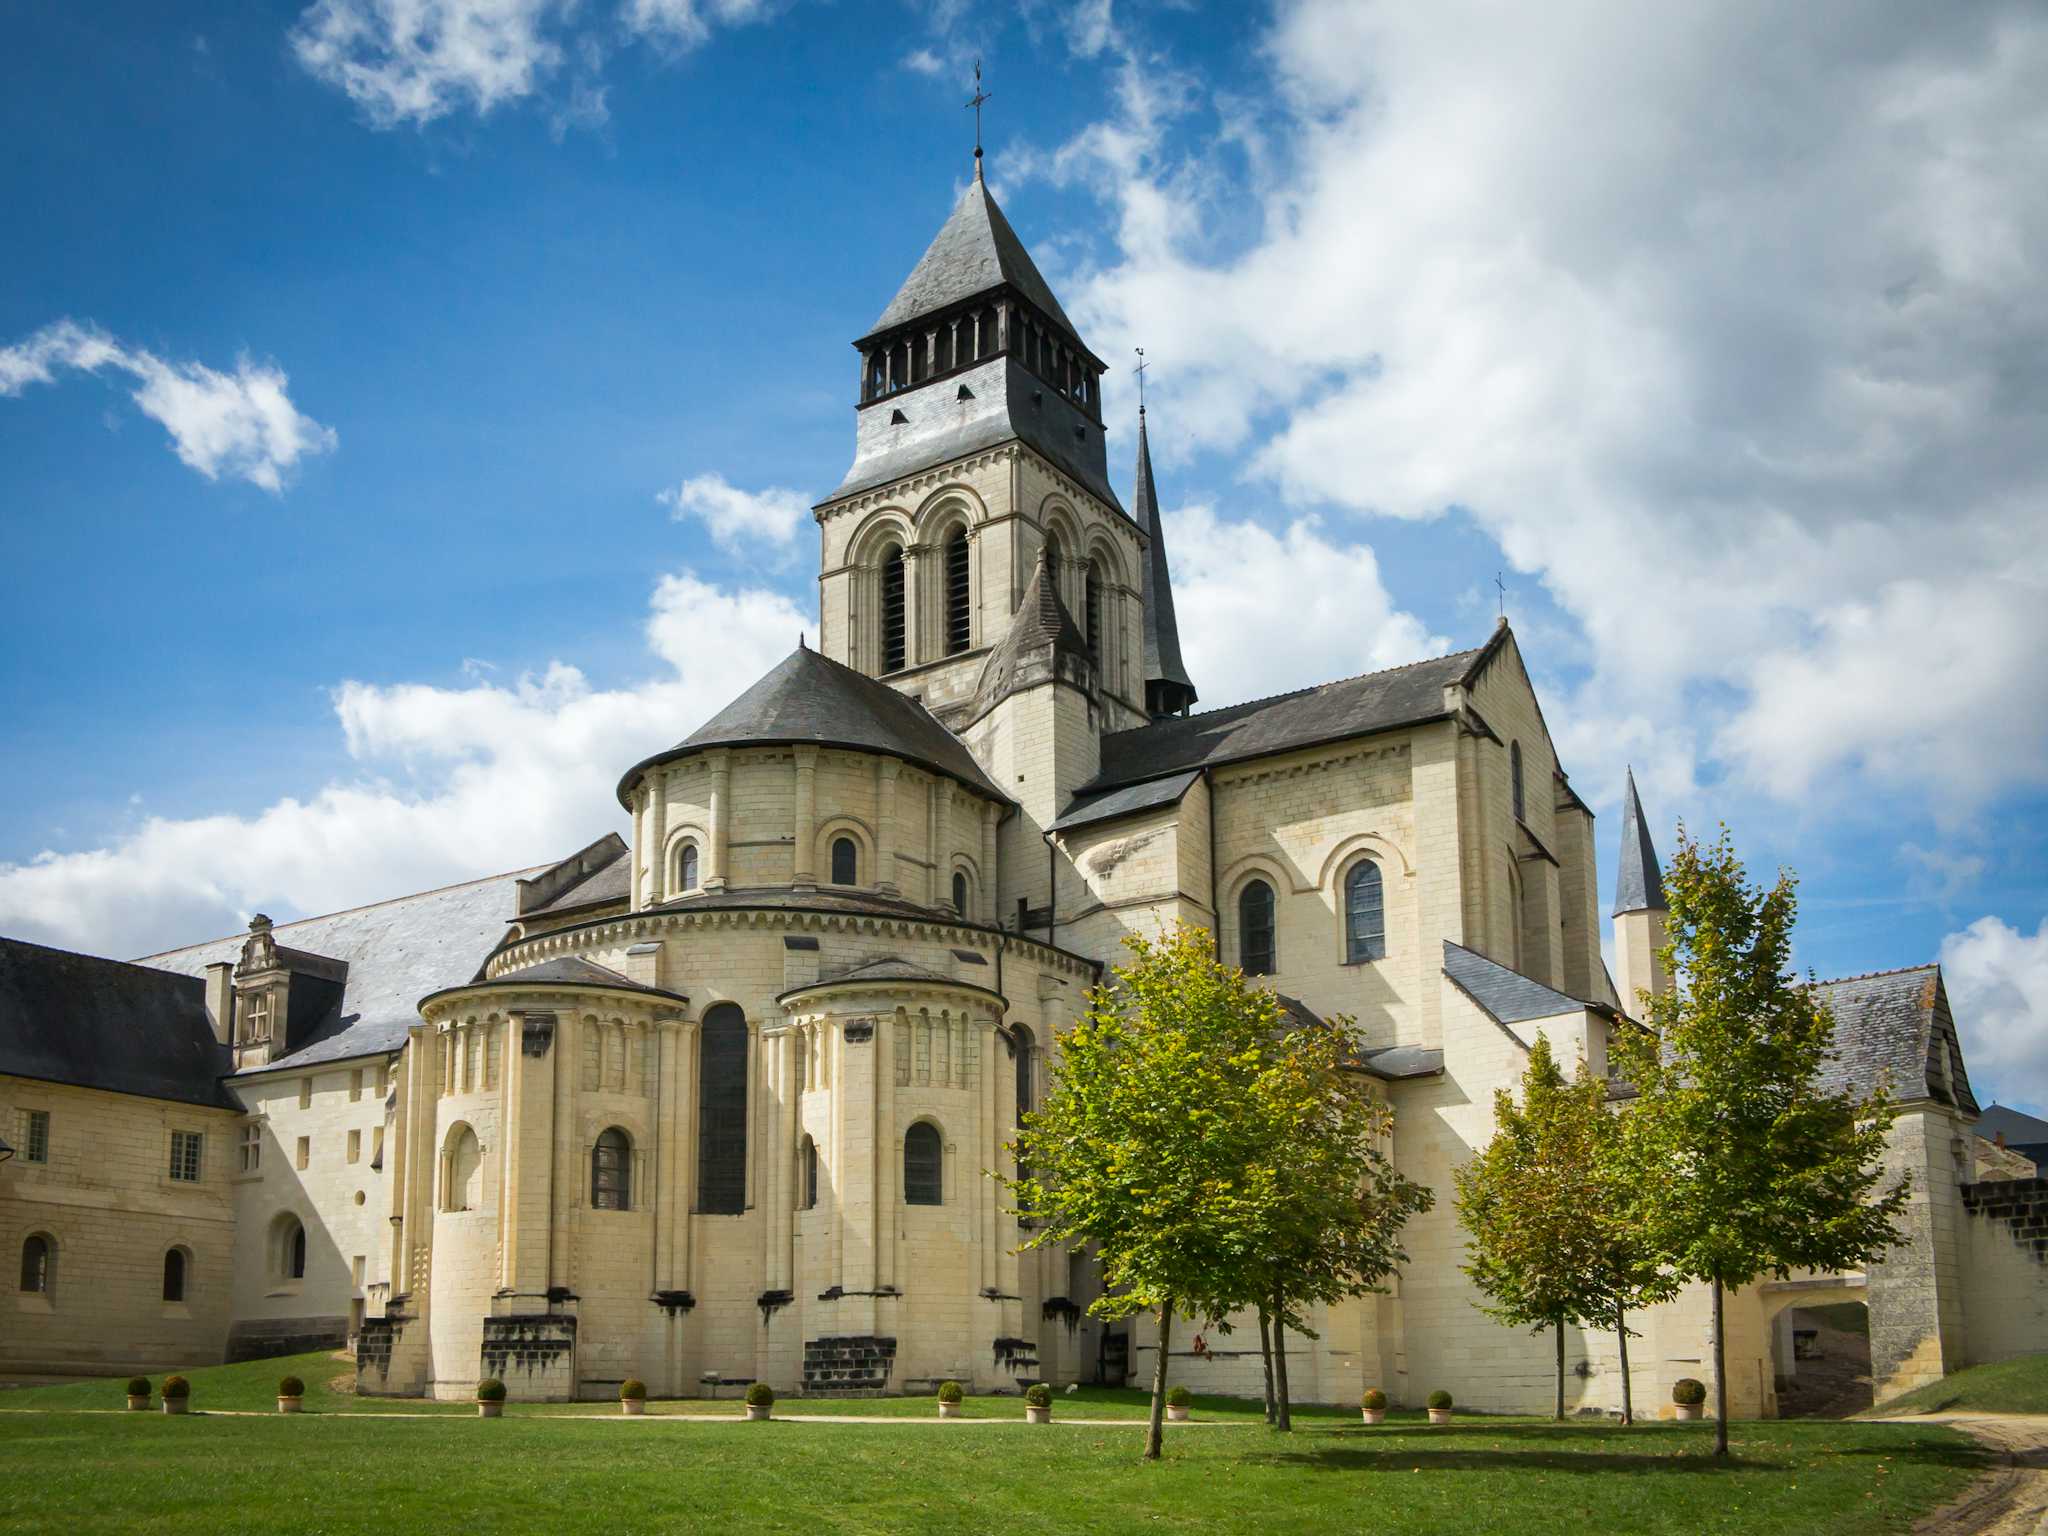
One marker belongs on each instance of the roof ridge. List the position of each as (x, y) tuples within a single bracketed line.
[(364, 906), (1274, 698), (1897, 970), (140, 964)]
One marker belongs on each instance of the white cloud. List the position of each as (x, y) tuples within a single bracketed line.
[(687, 23), (1997, 979), (738, 519), (922, 61), (1089, 27), (1726, 322), (241, 424), (452, 783)]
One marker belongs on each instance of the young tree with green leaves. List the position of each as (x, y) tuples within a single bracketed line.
[(1756, 1167)]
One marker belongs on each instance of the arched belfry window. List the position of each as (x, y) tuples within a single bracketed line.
[(1052, 560), (1365, 914), (958, 624), (1255, 929), (1092, 607), (1515, 777), (722, 1112), (686, 867), (924, 1163), (845, 862), (892, 610), (611, 1172), (959, 893), (174, 1274)]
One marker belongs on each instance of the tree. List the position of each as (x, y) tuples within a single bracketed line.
[(1636, 1273), (1756, 1167), (1152, 1142)]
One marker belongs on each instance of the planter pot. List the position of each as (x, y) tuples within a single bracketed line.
[(137, 1404), (1685, 1410), (1439, 1415), (289, 1404), (490, 1410), (1177, 1415), (174, 1404), (632, 1406), (949, 1410), (1037, 1415), (758, 1411), (1374, 1415)]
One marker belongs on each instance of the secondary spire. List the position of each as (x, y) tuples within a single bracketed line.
[(1639, 885), (1168, 689)]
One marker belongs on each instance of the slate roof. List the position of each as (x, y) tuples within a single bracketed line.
[(1163, 662), (1389, 1063), (1109, 804), (2018, 1128), (1639, 884), (610, 883), (974, 251), (1041, 628), (1354, 706), (1508, 996), (397, 951), (568, 971), (809, 698), (1896, 1024), (96, 1023)]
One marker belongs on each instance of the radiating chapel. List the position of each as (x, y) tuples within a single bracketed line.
[(715, 1101)]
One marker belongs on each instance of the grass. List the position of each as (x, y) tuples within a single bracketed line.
[(2011, 1386), (544, 1469)]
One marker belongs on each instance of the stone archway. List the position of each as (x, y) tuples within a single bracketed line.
[(1820, 1354)]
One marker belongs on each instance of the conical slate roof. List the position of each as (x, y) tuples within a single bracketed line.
[(1041, 629), (1640, 885), (974, 252), (809, 698), (1168, 689)]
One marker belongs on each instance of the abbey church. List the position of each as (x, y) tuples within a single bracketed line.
[(714, 1102)]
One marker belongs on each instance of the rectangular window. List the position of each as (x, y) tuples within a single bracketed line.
[(383, 1081), (185, 1156), (355, 1146), (355, 1085), (252, 1147), (305, 1152), (355, 1270), (377, 1146), (35, 1136), (305, 1093)]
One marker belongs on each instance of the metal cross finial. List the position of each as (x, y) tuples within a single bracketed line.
[(1142, 365), (975, 102), (1498, 582)]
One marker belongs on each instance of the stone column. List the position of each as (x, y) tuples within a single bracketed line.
[(886, 770), (804, 873), (714, 855), (657, 852)]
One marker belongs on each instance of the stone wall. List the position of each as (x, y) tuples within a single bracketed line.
[(2006, 1275)]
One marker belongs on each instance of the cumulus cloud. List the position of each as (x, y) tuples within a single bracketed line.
[(687, 23), (737, 519), (451, 783), (1724, 320), (241, 424), (922, 61), (1997, 979)]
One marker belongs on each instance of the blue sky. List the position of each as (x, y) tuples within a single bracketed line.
[(406, 409)]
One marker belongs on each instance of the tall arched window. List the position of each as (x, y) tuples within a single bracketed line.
[(722, 1112), (1365, 914), (1027, 1046), (174, 1274), (1255, 929), (287, 1248), (462, 1171), (295, 1261), (1092, 607), (1515, 776), (1052, 560), (810, 1174), (38, 1264), (611, 1172), (960, 893), (892, 609), (958, 625), (686, 867), (845, 862), (924, 1163)]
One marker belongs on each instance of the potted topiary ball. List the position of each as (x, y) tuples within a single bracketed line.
[(1439, 1407), (949, 1399), (177, 1394), (1686, 1397), (633, 1396), (760, 1400), (138, 1393), (1374, 1406), (490, 1398), (1178, 1400), (291, 1395), (1038, 1403)]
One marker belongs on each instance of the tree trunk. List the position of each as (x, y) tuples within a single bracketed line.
[(1558, 1328), (1283, 1419), (1628, 1406), (1720, 1376), (1266, 1354), (1155, 1434)]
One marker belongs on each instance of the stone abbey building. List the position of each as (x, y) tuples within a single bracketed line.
[(717, 1099)]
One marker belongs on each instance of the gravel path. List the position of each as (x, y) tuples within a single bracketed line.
[(2011, 1499)]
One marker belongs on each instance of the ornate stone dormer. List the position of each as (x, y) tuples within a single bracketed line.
[(282, 996)]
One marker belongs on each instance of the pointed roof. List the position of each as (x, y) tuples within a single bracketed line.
[(975, 251), (1162, 631), (1639, 887), (1041, 629), (811, 699)]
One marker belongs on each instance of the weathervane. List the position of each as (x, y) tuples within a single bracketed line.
[(1502, 585), (1141, 378), (975, 102)]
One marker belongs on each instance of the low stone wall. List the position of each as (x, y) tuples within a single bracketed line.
[(266, 1337)]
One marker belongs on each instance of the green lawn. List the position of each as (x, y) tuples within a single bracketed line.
[(2011, 1386), (544, 1472)]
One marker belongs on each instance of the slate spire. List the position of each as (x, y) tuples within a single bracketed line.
[(1639, 887), (1168, 689)]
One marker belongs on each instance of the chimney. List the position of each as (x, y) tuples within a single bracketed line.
[(220, 1000)]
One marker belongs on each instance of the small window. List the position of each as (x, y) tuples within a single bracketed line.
[(305, 1093), (1365, 914), (252, 1147), (36, 1137), (355, 1146), (355, 1085), (174, 1274), (959, 625), (1515, 777), (185, 1147), (845, 862), (611, 1172), (1255, 929), (959, 893), (303, 1153), (810, 1174), (924, 1159), (686, 867), (38, 1265), (892, 610), (288, 1248), (462, 1171), (295, 1257)]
